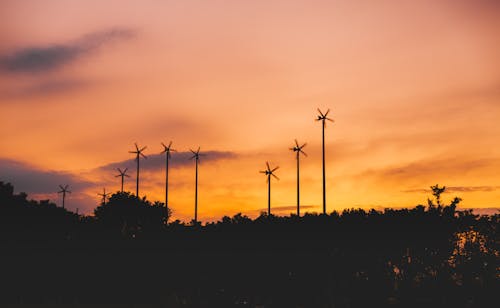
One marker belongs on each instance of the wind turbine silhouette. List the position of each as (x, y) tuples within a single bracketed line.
[(63, 191), (104, 195), (298, 150), (166, 150), (122, 174), (323, 117), (138, 153), (269, 172), (196, 156)]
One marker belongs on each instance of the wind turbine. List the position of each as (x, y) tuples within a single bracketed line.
[(323, 117), (166, 150), (122, 174), (104, 195), (269, 172), (196, 156), (298, 150), (63, 191), (138, 153)]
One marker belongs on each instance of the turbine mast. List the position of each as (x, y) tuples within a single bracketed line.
[(138, 153), (323, 117)]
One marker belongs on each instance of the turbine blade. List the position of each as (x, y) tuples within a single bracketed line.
[(143, 149), (302, 146), (275, 169), (268, 167), (326, 113), (124, 171), (143, 155), (277, 178), (321, 113), (170, 144), (330, 120), (296, 142), (305, 154), (136, 147)]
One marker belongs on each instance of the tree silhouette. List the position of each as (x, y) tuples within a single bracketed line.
[(131, 215)]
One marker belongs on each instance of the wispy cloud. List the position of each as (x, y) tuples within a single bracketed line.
[(450, 189), (44, 88), (288, 208), (30, 179), (35, 59), (179, 159)]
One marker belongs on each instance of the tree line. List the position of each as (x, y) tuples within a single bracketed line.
[(429, 255)]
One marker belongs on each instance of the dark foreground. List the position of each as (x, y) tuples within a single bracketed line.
[(431, 256)]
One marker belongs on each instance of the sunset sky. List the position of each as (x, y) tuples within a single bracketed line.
[(413, 87)]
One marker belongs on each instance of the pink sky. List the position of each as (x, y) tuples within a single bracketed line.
[(414, 88)]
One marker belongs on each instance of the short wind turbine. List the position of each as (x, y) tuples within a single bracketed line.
[(138, 153), (122, 174), (104, 195), (269, 172), (298, 150), (323, 118), (196, 156), (64, 190), (167, 150)]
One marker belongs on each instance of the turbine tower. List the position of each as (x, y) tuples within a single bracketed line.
[(269, 172), (123, 173), (64, 190), (138, 153), (298, 150), (323, 118), (167, 150), (196, 156), (104, 195)]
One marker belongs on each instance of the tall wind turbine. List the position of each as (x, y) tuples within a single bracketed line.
[(123, 173), (166, 150), (138, 153), (104, 195), (269, 172), (298, 150), (64, 190), (323, 118), (196, 156)]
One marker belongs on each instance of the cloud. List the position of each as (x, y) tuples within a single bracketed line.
[(36, 181), (431, 168), (44, 88), (179, 159), (36, 59), (287, 208), (450, 189)]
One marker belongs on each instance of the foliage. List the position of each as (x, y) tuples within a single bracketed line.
[(131, 215)]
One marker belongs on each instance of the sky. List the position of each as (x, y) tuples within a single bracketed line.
[(413, 88)]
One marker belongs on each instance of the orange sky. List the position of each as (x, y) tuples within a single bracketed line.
[(414, 88)]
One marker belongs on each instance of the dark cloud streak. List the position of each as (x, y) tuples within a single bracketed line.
[(38, 59), (32, 180), (179, 159), (450, 189)]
